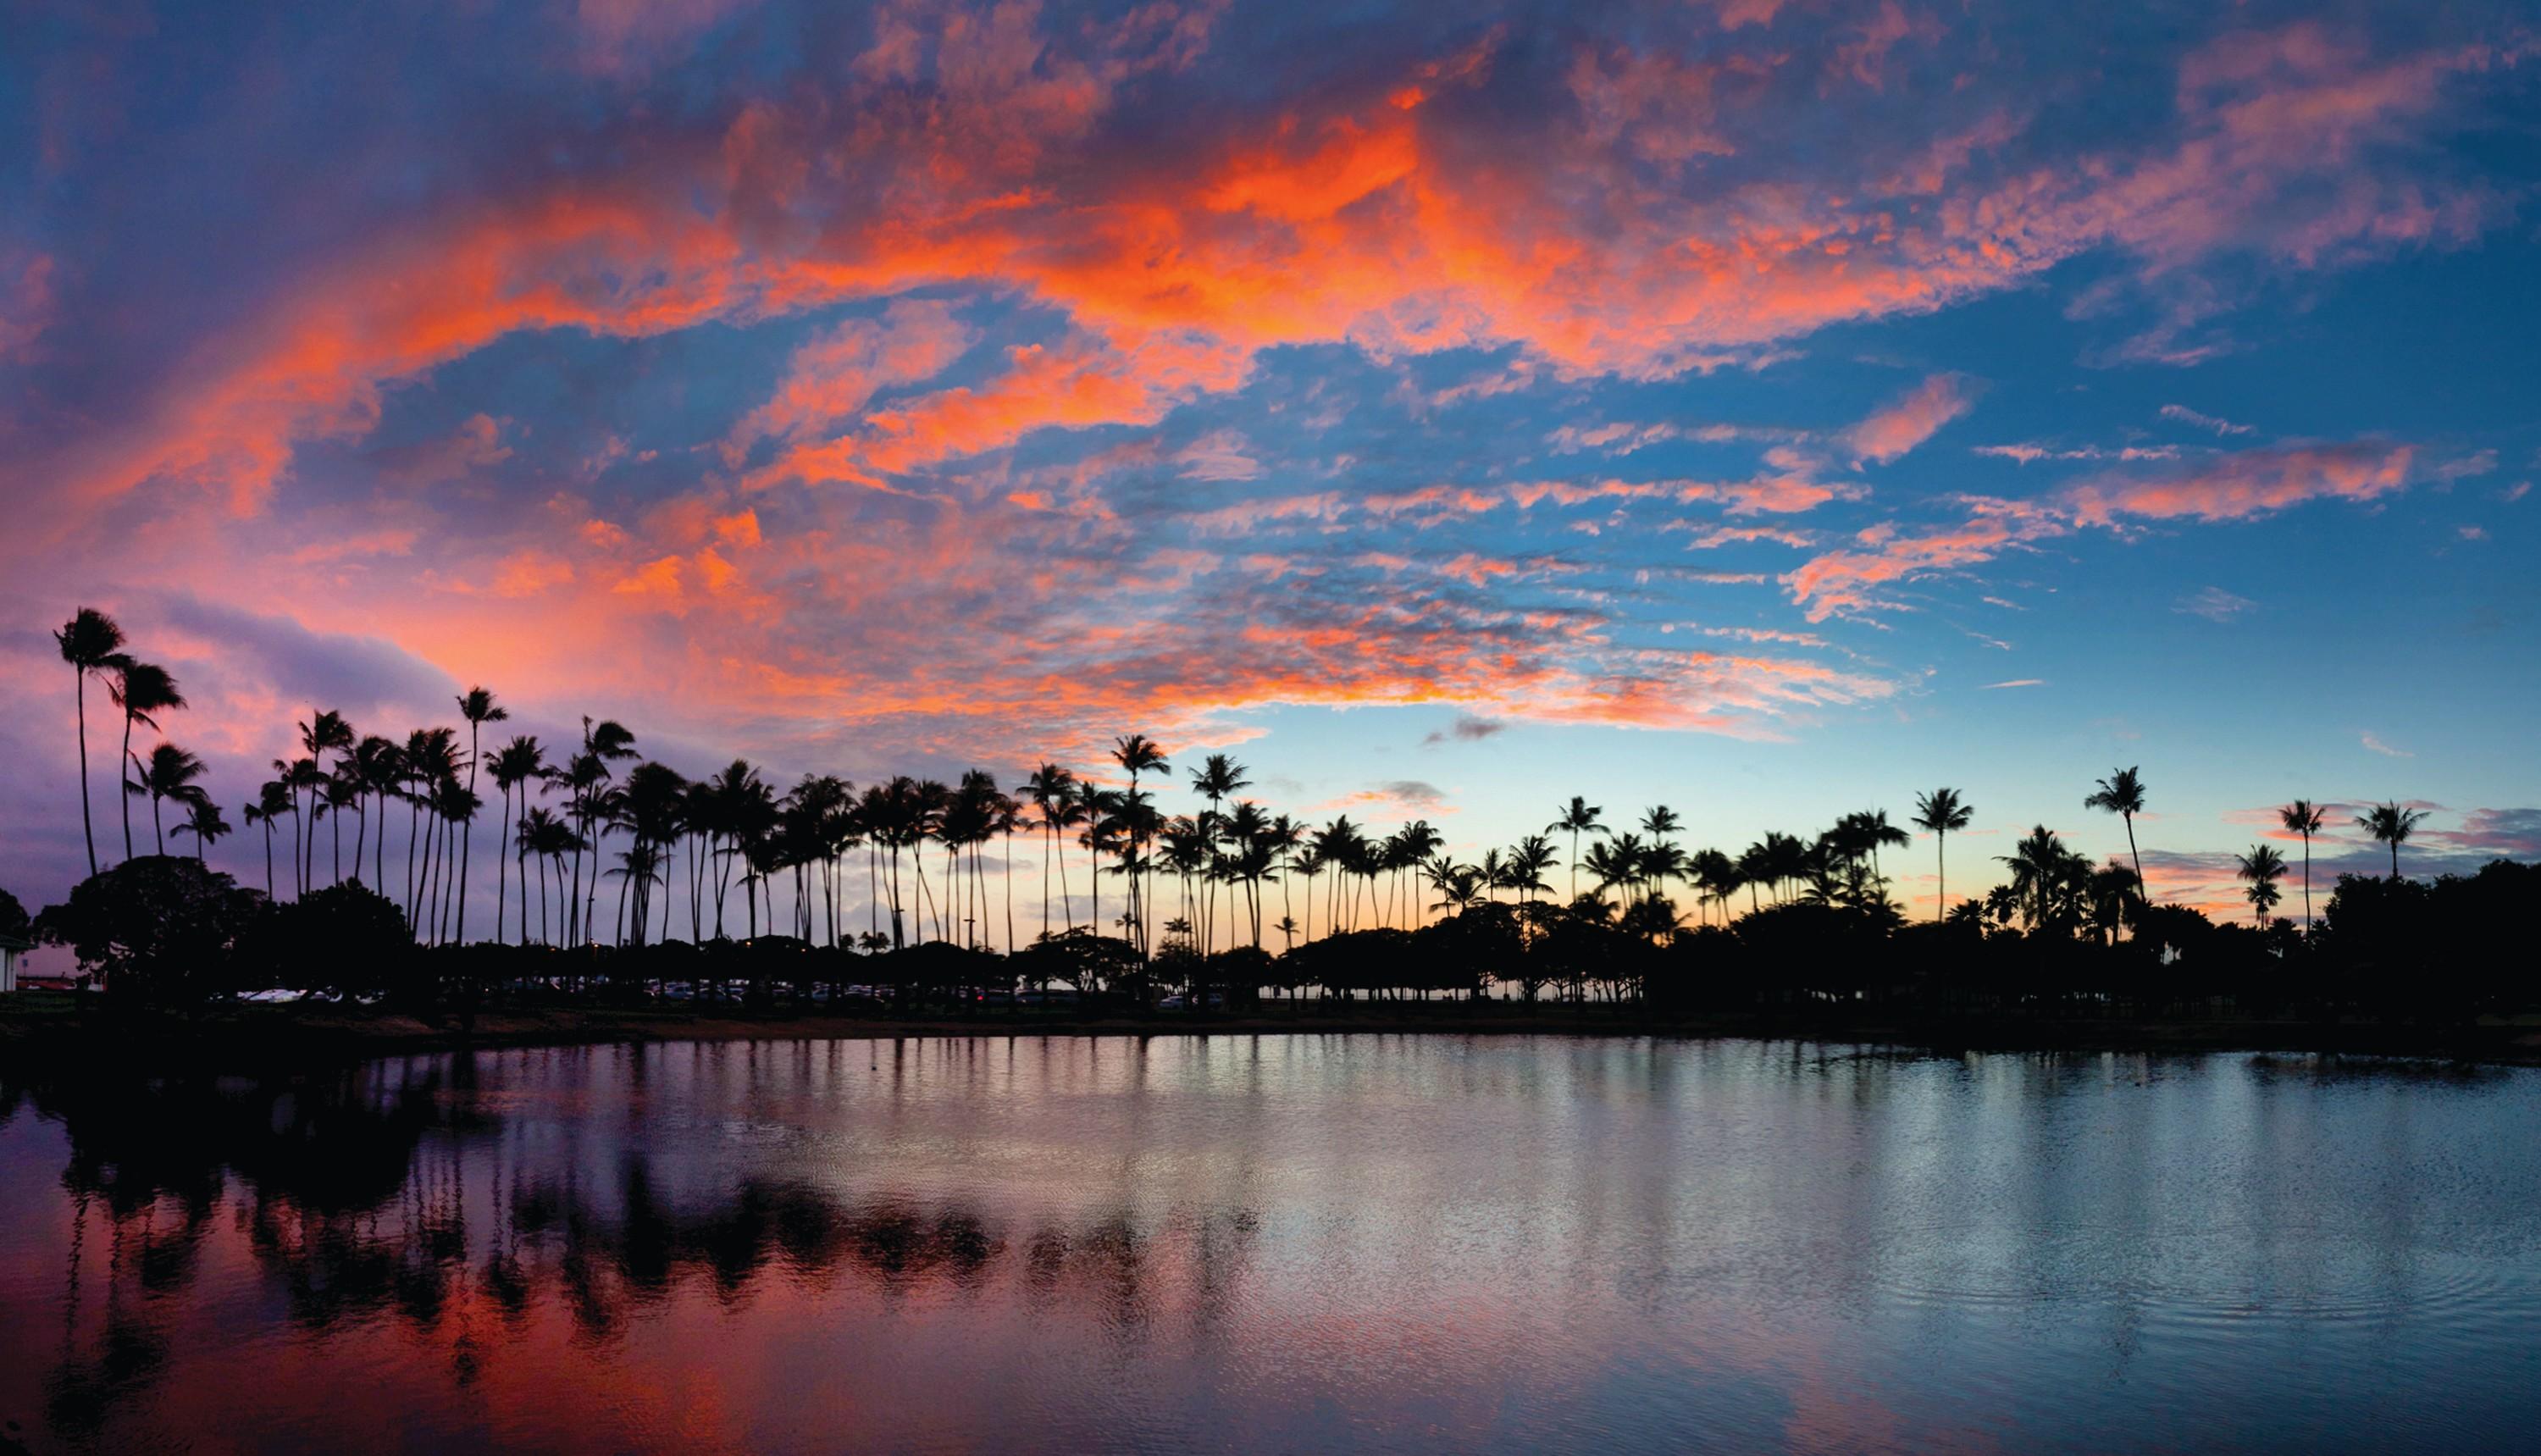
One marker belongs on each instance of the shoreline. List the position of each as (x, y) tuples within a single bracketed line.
[(38, 1028)]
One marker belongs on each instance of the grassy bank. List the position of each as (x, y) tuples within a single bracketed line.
[(37, 1026)]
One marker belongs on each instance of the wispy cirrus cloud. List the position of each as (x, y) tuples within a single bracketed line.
[(2214, 604), (2247, 485), (2182, 414)]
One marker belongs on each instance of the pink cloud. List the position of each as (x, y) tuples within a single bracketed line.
[(1913, 419)]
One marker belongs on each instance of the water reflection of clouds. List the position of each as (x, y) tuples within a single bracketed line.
[(1433, 1241)]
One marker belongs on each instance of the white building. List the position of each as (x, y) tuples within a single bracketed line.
[(10, 950)]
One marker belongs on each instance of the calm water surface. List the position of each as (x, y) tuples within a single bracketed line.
[(1275, 1243)]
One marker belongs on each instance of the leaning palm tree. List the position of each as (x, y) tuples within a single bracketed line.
[(1579, 817), (90, 642), (2303, 817), (142, 690), (2122, 793), (170, 773), (1943, 813), (2261, 867), (204, 822), (2392, 825)]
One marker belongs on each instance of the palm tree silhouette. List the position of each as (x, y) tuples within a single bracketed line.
[(1943, 813), (517, 764), (141, 689), (2122, 793), (273, 800), (544, 835), (90, 642), (2261, 867), (2392, 825), (2304, 818), (204, 822), (1579, 817), (1216, 779), (170, 773), (1528, 859), (478, 707), (1138, 755), (325, 731)]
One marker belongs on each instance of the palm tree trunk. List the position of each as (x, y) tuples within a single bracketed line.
[(2306, 888), (268, 858), (88, 824), (2144, 891), (413, 817), (499, 900), (1942, 859), (123, 771), (158, 832)]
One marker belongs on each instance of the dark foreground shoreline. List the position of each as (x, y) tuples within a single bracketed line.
[(54, 1027)]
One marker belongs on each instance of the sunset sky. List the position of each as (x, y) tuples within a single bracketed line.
[(1767, 408)]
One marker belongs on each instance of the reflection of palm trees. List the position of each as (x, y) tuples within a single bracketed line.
[(2391, 823), (89, 642), (1942, 813), (2261, 868), (2304, 818)]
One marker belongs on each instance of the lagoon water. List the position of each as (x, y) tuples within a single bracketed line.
[(1275, 1244)]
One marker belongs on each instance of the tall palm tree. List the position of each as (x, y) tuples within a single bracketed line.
[(517, 764), (90, 642), (1579, 817), (2261, 867), (2304, 818), (2122, 793), (325, 732), (1941, 813), (141, 689), (2392, 825), (1048, 789), (541, 834), (273, 800), (1216, 779), (170, 773), (478, 707), (1136, 753), (203, 820)]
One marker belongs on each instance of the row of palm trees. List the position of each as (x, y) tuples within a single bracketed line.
[(697, 842), (2390, 824)]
